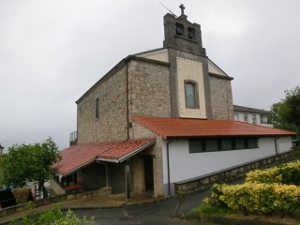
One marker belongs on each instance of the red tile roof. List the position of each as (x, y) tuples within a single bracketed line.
[(80, 155), (178, 128)]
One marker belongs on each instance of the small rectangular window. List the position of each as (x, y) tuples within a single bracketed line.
[(211, 145), (252, 143), (195, 146), (239, 144), (226, 144)]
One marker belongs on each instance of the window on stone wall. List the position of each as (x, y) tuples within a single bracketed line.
[(221, 144), (191, 98), (97, 108)]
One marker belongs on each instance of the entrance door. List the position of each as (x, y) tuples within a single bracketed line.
[(148, 169)]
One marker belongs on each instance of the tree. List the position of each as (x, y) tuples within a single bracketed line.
[(29, 162), (287, 111)]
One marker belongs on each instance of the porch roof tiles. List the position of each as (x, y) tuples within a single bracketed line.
[(77, 156), (179, 128)]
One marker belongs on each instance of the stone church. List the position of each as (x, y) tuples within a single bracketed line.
[(162, 117)]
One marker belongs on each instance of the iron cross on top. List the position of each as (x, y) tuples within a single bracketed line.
[(182, 9)]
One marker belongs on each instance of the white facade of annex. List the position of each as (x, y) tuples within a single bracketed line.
[(202, 163)]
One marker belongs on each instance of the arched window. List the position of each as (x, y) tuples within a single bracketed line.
[(191, 100)]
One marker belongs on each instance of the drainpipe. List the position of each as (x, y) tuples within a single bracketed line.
[(168, 162), (275, 142), (127, 95)]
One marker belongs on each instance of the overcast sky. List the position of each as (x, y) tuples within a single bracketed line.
[(51, 52)]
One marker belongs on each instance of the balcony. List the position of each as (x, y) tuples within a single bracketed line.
[(73, 138), (266, 124)]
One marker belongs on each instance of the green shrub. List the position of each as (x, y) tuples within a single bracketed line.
[(267, 199), (71, 219), (288, 173), (52, 217)]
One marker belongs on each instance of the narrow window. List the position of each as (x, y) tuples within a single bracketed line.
[(190, 95), (97, 108), (253, 118), (245, 117)]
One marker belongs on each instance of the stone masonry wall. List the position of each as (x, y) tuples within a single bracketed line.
[(92, 176), (221, 98), (112, 122), (149, 89)]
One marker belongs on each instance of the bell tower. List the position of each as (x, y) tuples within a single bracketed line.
[(188, 68), (182, 35)]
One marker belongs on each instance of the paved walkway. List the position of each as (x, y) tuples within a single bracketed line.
[(118, 200), (110, 201)]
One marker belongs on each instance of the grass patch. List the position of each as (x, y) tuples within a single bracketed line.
[(212, 210)]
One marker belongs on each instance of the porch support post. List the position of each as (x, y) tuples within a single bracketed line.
[(127, 181), (106, 174)]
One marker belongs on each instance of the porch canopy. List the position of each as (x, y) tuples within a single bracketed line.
[(77, 156)]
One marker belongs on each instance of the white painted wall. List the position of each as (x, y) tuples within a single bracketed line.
[(284, 144), (184, 165), (239, 116)]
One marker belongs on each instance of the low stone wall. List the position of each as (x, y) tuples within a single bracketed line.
[(230, 173), (58, 198)]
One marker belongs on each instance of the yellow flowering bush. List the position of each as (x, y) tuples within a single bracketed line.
[(267, 199), (285, 173)]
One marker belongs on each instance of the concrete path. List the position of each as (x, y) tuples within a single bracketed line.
[(138, 210)]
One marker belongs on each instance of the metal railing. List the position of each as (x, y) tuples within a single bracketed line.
[(73, 136)]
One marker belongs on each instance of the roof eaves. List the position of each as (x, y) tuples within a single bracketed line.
[(122, 159), (218, 67), (151, 50), (77, 168), (107, 160), (221, 76), (117, 67)]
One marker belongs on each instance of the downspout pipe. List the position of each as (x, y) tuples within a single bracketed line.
[(275, 142), (168, 163)]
